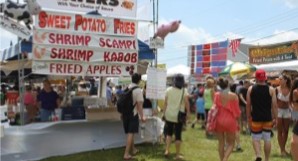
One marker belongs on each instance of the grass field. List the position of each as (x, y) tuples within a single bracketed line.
[(195, 147)]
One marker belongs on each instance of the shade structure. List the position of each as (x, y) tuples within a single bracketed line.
[(237, 70)]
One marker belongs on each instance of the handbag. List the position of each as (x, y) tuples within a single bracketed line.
[(181, 115), (212, 119)]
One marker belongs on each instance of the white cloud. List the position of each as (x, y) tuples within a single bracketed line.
[(291, 3)]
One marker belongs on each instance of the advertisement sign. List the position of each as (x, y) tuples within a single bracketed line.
[(11, 26), (86, 24), (84, 40), (81, 69), (113, 8), (156, 83), (273, 53), (156, 43), (83, 54)]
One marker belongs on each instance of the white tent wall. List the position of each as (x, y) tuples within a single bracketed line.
[(289, 65)]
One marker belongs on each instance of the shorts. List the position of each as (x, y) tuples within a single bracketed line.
[(131, 124), (201, 116), (243, 113), (295, 115), (261, 130), (172, 127), (295, 129), (284, 113)]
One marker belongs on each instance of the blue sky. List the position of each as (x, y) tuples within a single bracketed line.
[(217, 20)]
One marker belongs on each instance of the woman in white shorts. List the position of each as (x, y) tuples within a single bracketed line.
[(284, 112)]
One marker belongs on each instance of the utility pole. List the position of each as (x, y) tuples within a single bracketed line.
[(21, 80)]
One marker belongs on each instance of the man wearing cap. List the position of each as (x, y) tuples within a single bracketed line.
[(261, 113)]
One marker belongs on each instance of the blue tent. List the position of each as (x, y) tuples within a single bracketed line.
[(11, 53)]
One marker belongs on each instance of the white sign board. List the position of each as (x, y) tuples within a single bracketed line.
[(156, 83), (83, 23), (80, 39), (12, 26), (156, 43), (114, 8), (83, 54), (79, 69)]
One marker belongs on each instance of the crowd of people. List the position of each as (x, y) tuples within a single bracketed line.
[(40, 103), (247, 108)]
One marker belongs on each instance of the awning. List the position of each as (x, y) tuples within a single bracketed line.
[(12, 52), (9, 52)]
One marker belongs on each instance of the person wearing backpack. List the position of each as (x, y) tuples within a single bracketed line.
[(130, 115)]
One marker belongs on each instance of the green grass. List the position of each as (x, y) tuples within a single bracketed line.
[(195, 147)]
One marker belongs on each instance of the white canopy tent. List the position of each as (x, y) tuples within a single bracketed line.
[(289, 65)]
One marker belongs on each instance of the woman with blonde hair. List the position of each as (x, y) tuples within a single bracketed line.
[(208, 97), (227, 104)]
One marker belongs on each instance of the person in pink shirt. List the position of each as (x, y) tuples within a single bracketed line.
[(227, 104), (30, 103)]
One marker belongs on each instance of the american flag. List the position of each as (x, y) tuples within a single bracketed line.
[(234, 45)]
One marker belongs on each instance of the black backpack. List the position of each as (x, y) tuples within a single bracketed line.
[(125, 104)]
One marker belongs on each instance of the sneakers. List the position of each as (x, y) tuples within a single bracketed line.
[(258, 159)]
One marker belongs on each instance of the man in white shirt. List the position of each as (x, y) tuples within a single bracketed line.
[(131, 123)]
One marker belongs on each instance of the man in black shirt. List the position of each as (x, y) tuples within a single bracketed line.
[(261, 111), (242, 102)]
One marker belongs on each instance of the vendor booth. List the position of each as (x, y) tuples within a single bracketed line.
[(86, 122)]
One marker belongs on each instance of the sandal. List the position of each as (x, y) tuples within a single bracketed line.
[(135, 152), (166, 154), (128, 158), (179, 157)]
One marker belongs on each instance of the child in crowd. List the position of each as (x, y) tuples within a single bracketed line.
[(200, 110)]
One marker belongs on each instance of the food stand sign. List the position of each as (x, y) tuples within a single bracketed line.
[(81, 23), (113, 8), (79, 69), (274, 53)]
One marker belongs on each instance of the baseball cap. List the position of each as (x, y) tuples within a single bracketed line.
[(261, 75)]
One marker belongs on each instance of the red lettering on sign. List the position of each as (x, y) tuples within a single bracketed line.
[(117, 44), (58, 68), (71, 54), (90, 24), (124, 27), (120, 57), (104, 69), (53, 21), (69, 39)]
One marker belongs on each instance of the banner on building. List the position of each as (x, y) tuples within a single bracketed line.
[(11, 26), (210, 58), (274, 53), (81, 69), (115, 8), (191, 59), (156, 83), (82, 23)]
